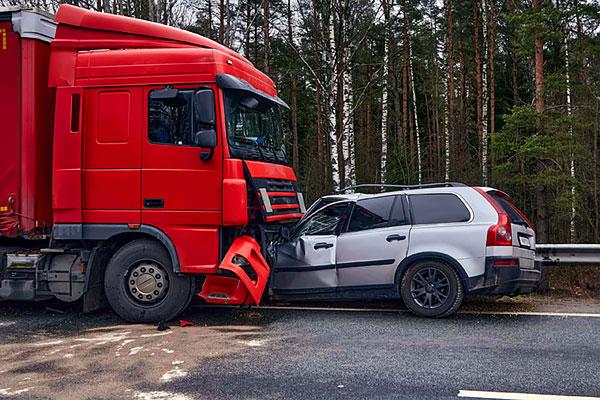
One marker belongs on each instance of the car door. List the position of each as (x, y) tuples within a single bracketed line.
[(374, 244), (306, 262)]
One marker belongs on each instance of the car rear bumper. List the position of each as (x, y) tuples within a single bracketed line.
[(505, 279)]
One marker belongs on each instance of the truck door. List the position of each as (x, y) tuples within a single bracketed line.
[(307, 260), (181, 182), (375, 243), (112, 153)]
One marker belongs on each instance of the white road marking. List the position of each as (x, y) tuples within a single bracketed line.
[(8, 392), (106, 338), (177, 362), (135, 350), (168, 351), (253, 342), (156, 334), (531, 313), (7, 323), (48, 343), (159, 395), (173, 374), (519, 396)]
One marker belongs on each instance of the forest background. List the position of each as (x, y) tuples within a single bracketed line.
[(500, 93)]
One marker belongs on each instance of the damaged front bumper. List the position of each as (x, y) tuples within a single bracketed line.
[(251, 274)]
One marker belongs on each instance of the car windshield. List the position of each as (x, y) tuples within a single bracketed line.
[(254, 129)]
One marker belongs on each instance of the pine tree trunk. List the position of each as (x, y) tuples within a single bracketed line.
[(484, 94), (492, 79), (478, 76), (320, 139), (540, 191), (460, 133), (450, 131), (295, 124), (266, 28), (384, 94)]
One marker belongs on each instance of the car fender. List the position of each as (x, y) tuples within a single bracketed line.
[(428, 255)]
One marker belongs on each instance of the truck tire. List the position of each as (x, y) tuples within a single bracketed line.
[(141, 286), (431, 288)]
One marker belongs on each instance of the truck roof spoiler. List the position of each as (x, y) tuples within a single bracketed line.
[(83, 30), (79, 17)]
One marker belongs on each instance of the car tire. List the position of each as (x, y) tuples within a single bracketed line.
[(141, 286), (432, 288)]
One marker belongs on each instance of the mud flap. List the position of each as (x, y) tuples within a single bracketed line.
[(225, 290)]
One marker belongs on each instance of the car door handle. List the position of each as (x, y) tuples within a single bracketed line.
[(323, 246), (391, 238)]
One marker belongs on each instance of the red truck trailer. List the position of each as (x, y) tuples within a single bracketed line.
[(140, 164)]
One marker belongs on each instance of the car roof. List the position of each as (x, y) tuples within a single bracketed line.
[(441, 189)]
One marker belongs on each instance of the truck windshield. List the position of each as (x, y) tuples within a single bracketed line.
[(254, 129)]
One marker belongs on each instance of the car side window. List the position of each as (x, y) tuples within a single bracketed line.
[(438, 208), (327, 221), (371, 214), (398, 216)]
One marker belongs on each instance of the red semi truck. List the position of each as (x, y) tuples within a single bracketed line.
[(140, 164)]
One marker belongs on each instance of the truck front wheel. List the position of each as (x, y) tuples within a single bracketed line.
[(141, 286)]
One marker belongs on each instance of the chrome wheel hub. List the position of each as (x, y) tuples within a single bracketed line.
[(147, 282)]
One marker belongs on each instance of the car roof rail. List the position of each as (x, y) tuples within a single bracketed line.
[(402, 187)]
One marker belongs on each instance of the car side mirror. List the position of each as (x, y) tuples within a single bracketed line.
[(285, 233), (206, 139), (204, 107)]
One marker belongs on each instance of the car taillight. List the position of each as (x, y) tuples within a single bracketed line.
[(501, 233)]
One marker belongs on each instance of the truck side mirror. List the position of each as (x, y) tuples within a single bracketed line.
[(204, 106), (207, 139), (250, 103)]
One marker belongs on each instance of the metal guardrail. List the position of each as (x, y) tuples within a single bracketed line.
[(568, 254)]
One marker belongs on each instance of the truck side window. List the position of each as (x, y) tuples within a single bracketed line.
[(171, 120)]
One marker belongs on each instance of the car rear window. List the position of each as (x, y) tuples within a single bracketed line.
[(371, 214), (513, 214), (438, 208)]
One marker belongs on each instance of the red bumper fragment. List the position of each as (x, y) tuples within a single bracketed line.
[(225, 290)]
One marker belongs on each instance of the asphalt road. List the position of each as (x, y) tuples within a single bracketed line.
[(293, 354)]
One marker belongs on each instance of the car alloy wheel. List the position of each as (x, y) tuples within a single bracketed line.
[(429, 288)]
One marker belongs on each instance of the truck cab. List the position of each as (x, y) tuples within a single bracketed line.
[(166, 160)]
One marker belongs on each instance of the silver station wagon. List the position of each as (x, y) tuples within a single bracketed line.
[(428, 244)]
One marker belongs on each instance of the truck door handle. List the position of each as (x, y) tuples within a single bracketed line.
[(323, 246), (154, 203), (391, 238)]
